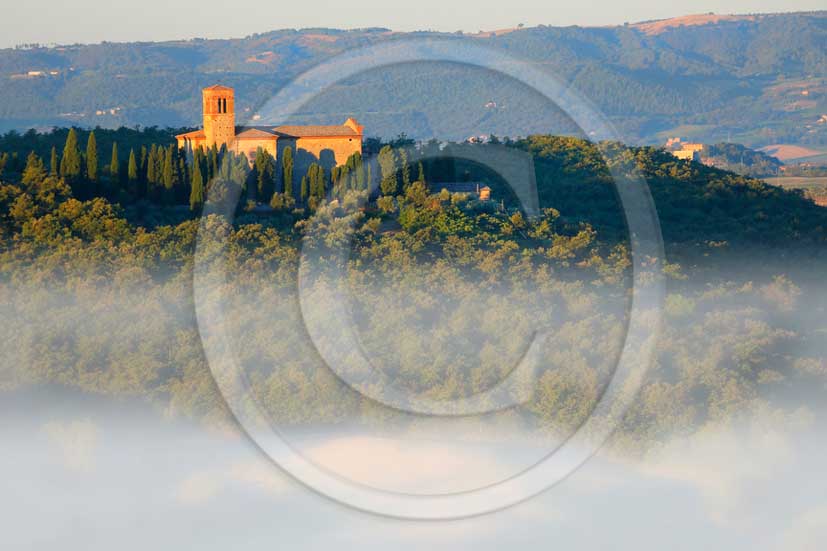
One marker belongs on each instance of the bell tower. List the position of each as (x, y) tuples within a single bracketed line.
[(219, 116)]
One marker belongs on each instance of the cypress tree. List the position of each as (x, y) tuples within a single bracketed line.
[(348, 176), (54, 167), (313, 182), (165, 174), (303, 189), (212, 166), (197, 189), (337, 186), (70, 162), (223, 169), (421, 177), (200, 159), (184, 179), (151, 164), (360, 172), (169, 174), (287, 171), (406, 169), (92, 158), (142, 165), (317, 182), (132, 168), (254, 191), (160, 157), (335, 174), (241, 170), (265, 175), (115, 165)]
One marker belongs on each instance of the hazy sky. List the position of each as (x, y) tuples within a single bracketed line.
[(69, 21)]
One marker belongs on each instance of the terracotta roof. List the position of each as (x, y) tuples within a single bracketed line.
[(193, 134), (314, 131), (247, 132), (286, 131), (219, 88)]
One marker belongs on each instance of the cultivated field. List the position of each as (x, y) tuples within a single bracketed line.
[(814, 188), (787, 152)]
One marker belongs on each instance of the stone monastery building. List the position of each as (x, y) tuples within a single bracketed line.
[(328, 145)]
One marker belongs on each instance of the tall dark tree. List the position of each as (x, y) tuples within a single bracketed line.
[(142, 165), (115, 166), (152, 166), (132, 173), (92, 158), (352, 174), (70, 162), (335, 172), (316, 183), (54, 167), (265, 171), (338, 175), (405, 168), (197, 190), (184, 179), (287, 171), (212, 166), (313, 182), (361, 177), (160, 157), (169, 176)]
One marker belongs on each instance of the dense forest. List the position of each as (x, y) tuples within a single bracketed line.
[(97, 257), (743, 160), (759, 79)]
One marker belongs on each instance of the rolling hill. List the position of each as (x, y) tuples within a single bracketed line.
[(758, 80)]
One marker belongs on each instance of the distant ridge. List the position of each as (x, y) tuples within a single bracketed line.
[(756, 79), (654, 28)]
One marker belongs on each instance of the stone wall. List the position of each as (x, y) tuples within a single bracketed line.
[(327, 151), (249, 147), (219, 118)]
